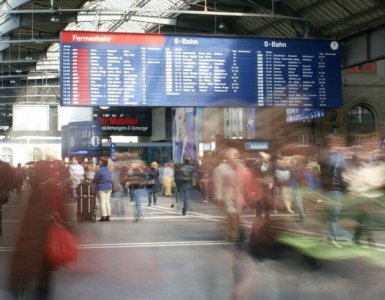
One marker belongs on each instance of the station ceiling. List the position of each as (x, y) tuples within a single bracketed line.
[(30, 30)]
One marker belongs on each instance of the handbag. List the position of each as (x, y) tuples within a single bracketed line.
[(61, 244)]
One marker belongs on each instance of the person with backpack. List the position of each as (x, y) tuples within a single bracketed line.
[(185, 175)]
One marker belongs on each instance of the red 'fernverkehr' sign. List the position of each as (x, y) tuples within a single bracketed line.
[(115, 38)]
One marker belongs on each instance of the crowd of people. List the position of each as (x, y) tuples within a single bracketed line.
[(267, 184), (342, 183)]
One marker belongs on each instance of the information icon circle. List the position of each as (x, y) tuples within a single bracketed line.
[(95, 141)]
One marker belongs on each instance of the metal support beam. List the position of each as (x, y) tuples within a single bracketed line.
[(30, 41), (17, 61), (156, 12)]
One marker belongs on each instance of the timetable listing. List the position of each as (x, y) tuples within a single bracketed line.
[(198, 71)]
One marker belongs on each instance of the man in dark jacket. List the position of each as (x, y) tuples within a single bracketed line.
[(184, 175)]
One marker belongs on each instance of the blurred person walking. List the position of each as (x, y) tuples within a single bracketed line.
[(264, 170), (333, 164), (153, 185), (30, 270), (282, 182), (185, 175), (5, 187), (18, 179), (226, 190), (103, 182), (138, 179), (168, 179), (298, 183)]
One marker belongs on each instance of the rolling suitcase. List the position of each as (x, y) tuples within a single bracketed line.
[(86, 202)]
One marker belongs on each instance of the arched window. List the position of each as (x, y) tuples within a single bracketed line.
[(361, 122), (6, 155)]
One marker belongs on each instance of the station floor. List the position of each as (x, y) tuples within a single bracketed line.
[(169, 256)]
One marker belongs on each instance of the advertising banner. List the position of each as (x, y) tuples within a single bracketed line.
[(124, 121), (186, 132)]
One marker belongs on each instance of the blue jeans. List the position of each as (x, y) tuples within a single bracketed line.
[(119, 207), (138, 195), (185, 189), (297, 192), (335, 231)]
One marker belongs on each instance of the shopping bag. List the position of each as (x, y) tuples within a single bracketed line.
[(61, 245)]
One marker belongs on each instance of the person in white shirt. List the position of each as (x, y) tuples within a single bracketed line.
[(76, 171)]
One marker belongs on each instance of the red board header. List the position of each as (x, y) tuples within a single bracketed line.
[(116, 38)]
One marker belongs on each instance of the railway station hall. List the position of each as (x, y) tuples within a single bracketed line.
[(192, 149)]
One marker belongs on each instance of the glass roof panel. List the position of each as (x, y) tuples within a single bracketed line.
[(117, 19)]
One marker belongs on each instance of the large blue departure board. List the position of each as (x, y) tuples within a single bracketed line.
[(124, 69)]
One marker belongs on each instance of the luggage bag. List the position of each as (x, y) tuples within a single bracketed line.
[(86, 202)]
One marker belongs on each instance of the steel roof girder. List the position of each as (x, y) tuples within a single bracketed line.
[(15, 3), (5, 44), (9, 24)]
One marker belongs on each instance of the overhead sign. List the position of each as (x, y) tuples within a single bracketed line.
[(301, 114), (128, 69), (258, 146), (124, 121), (83, 139)]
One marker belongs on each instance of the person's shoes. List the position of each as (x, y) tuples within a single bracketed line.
[(149, 204), (172, 205), (291, 211), (107, 218), (102, 219), (136, 219), (183, 213)]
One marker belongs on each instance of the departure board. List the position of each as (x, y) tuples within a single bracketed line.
[(124, 69)]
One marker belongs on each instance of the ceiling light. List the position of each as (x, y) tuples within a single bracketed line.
[(55, 18), (12, 81), (222, 25), (28, 57), (18, 70)]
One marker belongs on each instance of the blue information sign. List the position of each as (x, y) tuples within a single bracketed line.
[(120, 69), (84, 139), (259, 146), (301, 114), (113, 151)]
